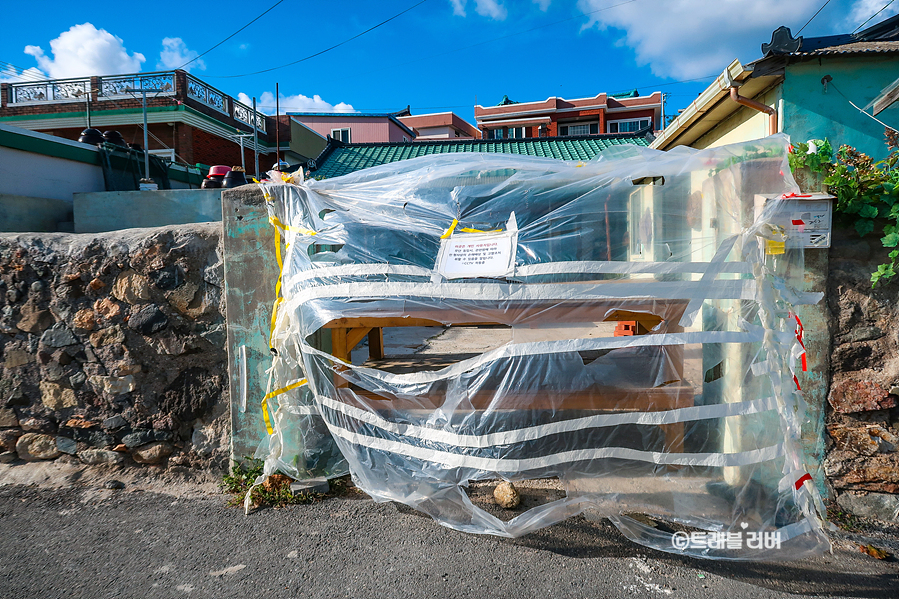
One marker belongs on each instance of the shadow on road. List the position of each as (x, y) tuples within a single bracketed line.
[(844, 573)]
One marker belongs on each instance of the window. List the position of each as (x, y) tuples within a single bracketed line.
[(168, 154), (341, 134), (506, 133), (579, 129), (629, 126), (405, 139)]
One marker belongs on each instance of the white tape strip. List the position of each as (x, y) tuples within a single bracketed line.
[(785, 533), (242, 377), (627, 268), (536, 432), (454, 460), (356, 270), (708, 280), (528, 270), (695, 291)]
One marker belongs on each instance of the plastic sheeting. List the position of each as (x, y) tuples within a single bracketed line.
[(652, 354)]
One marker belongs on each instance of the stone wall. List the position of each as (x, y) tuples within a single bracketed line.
[(112, 347), (862, 420)]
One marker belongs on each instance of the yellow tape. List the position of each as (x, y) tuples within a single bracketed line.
[(278, 298), (775, 248), (467, 230), (265, 416), (275, 221), (268, 422), (449, 232), (278, 392)]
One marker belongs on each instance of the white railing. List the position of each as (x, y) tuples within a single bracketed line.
[(199, 91), (243, 113), (50, 92), (114, 87)]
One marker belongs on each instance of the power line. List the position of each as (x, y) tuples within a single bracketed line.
[(813, 17), (27, 77), (874, 15), (322, 51), (854, 105), (272, 7)]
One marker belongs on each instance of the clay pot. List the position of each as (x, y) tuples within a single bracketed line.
[(91, 136)]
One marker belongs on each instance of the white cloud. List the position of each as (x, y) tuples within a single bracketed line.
[(863, 9), (85, 50), (684, 39), (486, 8), (491, 8), (11, 75), (298, 103), (175, 53), (543, 4)]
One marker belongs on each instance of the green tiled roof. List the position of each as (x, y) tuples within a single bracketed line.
[(340, 159)]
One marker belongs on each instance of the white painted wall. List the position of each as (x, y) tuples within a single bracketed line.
[(445, 132), (35, 175), (744, 124)]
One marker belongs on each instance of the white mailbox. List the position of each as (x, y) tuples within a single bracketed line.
[(809, 216)]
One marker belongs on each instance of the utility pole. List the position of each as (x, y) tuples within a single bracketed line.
[(143, 90), (277, 128), (255, 139)]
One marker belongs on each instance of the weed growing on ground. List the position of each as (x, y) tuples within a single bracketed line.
[(844, 520), (275, 491)]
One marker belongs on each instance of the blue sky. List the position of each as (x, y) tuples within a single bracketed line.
[(442, 55)]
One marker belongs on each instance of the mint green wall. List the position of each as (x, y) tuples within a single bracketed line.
[(811, 113)]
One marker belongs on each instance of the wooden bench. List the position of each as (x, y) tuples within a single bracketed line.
[(643, 315)]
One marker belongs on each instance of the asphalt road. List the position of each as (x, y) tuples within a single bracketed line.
[(88, 542)]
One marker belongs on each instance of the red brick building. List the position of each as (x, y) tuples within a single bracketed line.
[(557, 117)]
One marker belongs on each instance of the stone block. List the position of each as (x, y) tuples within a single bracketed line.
[(113, 385), (8, 439), (131, 287), (94, 457), (152, 453), (85, 320), (148, 320), (59, 335), (66, 445), (57, 397), (880, 506), (8, 418), (18, 357), (35, 321), (850, 396), (145, 437), (108, 336), (107, 308), (32, 447)]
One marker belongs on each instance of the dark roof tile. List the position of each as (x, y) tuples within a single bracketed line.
[(347, 158)]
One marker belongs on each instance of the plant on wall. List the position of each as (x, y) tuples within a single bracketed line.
[(865, 189)]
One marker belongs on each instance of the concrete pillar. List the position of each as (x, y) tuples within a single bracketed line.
[(251, 273)]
